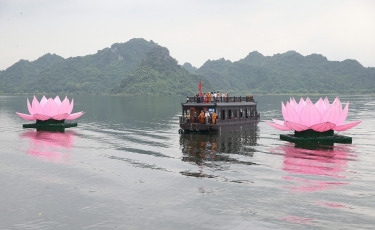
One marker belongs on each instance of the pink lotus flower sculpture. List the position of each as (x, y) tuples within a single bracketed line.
[(320, 117), (50, 109)]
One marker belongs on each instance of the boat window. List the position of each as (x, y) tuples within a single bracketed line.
[(246, 113), (229, 114), (240, 113), (222, 115)]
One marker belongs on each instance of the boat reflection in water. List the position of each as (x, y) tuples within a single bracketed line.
[(213, 151), (50, 146), (315, 167)]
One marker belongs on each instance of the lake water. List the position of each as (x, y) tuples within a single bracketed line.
[(126, 167)]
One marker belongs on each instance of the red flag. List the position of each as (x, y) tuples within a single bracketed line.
[(200, 88)]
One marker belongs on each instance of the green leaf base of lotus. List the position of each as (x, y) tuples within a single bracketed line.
[(50, 125)]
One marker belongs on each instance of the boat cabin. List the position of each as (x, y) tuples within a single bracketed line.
[(218, 114)]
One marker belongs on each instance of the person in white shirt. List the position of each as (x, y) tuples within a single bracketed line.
[(207, 116)]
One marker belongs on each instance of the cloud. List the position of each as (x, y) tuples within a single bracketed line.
[(194, 31)]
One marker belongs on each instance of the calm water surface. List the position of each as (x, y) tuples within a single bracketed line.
[(126, 167)]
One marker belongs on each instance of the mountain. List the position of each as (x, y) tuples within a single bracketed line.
[(93, 74), (289, 73), (146, 68), (189, 67), (88, 74), (159, 73)]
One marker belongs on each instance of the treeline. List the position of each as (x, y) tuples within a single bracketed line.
[(135, 67), (145, 68), (290, 73)]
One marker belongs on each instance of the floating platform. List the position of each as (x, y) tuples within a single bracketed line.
[(310, 135), (50, 125), (323, 139)]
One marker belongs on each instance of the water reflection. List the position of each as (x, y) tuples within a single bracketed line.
[(213, 150), (317, 168), (50, 146)]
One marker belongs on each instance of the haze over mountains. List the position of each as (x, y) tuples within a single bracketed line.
[(145, 68)]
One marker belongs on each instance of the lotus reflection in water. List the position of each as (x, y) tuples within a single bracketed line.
[(309, 120), (50, 146), (315, 167), (50, 114)]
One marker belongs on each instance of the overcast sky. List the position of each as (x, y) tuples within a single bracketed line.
[(193, 30)]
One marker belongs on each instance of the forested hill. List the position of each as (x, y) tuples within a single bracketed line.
[(145, 68), (289, 73), (158, 74), (100, 73)]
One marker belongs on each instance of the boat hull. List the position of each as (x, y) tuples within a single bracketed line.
[(219, 127)]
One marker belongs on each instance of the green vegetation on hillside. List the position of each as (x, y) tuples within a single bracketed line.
[(289, 73), (145, 68), (160, 74)]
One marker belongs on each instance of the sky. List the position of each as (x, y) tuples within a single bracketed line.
[(194, 31)]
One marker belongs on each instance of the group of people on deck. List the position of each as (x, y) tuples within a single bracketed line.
[(205, 117), (210, 96)]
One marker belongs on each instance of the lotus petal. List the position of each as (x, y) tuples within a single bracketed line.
[(301, 105), (332, 114), (41, 117), (29, 107), (346, 126), (310, 115), (60, 117), (343, 115), (64, 107), (43, 101), (36, 107), (337, 100), (74, 116), (50, 108), (278, 126), (321, 106), (283, 111), (293, 102), (70, 108), (340, 105), (322, 127), (26, 116), (296, 126), (321, 116), (57, 101), (292, 114), (278, 121)]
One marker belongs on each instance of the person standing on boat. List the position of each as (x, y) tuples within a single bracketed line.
[(201, 117), (207, 116), (188, 117), (208, 97), (195, 117), (213, 117)]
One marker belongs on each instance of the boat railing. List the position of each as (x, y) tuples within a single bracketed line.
[(187, 119), (219, 99)]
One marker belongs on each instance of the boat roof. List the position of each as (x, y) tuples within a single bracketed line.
[(219, 104)]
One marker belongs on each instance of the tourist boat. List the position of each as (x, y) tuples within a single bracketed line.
[(232, 113)]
